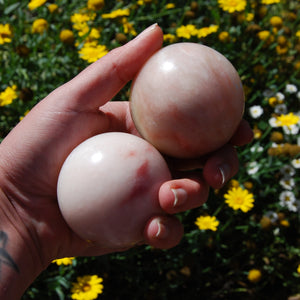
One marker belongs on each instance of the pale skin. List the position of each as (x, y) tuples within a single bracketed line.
[(32, 230)]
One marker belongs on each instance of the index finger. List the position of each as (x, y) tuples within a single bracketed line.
[(102, 80)]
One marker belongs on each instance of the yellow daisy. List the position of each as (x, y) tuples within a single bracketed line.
[(117, 13), (33, 4), (238, 198), (5, 33), (186, 31), (207, 223), (232, 6), (87, 287), (91, 52), (254, 275), (269, 1), (39, 26), (8, 95), (64, 261), (287, 120)]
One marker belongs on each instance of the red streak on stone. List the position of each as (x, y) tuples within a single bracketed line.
[(131, 153), (141, 180), (143, 169)]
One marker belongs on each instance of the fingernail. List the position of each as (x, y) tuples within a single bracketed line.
[(224, 173), (162, 231), (147, 30), (180, 196)]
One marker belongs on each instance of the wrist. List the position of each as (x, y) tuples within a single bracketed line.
[(19, 262)]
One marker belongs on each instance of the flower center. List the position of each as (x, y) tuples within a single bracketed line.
[(86, 287), (239, 200)]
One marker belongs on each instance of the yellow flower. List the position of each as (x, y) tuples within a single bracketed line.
[(8, 95), (5, 34), (264, 35), (52, 7), (248, 185), (245, 16), (80, 21), (273, 101), (298, 269), (276, 137), (91, 52), (33, 4), (257, 133), (169, 6), (233, 183), (142, 2), (80, 18), (64, 261), (284, 223), (287, 120), (276, 21), (249, 17), (238, 198), (232, 5), (128, 27), (25, 113), (95, 4), (94, 34), (117, 13), (224, 36), (281, 49), (39, 26), (168, 37), (282, 41), (205, 31), (269, 1), (207, 223), (67, 36), (186, 31), (82, 28), (87, 287), (254, 275), (298, 34)]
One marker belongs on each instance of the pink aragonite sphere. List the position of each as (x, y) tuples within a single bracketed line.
[(187, 100), (108, 188)]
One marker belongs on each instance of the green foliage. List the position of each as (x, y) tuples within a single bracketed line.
[(206, 264)]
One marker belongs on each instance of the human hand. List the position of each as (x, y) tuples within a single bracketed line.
[(32, 154)]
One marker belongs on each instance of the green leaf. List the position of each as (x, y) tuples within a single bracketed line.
[(11, 8)]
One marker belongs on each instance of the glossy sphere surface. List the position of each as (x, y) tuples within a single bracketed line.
[(187, 100), (108, 188)]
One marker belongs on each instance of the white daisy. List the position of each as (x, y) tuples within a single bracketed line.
[(287, 183), (256, 111), (272, 215), (252, 168), (295, 206), (256, 148), (286, 198), (287, 171), (296, 163), (273, 122), (268, 93), (291, 88), (280, 96), (280, 109), (291, 130)]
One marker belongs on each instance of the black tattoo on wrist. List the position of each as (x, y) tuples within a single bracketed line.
[(5, 258)]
